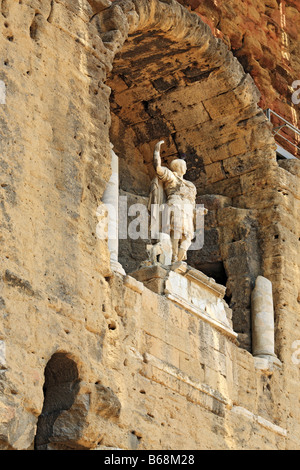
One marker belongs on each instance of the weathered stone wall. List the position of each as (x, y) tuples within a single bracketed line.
[(203, 104), (142, 364), (264, 36)]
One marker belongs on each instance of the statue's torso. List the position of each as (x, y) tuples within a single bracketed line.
[(177, 189)]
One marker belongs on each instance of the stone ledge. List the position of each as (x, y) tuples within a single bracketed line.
[(176, 380), (192, 290), (133, 284), (204, 316), (105, 448), (178, 374), (200, 278), (259, 420), (208, 391)]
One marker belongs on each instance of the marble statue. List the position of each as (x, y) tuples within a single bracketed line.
[(170, 190)]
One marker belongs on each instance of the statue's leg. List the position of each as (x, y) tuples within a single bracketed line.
[(183, 248), (175, 243)]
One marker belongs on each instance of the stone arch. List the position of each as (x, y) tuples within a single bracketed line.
[(77, 410), (171, 79), (60, 389), (157, 48)]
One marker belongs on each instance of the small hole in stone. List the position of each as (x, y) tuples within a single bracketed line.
[(136, 434), (112, 325)]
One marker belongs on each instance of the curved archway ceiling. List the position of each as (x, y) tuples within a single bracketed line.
[(197, 98)]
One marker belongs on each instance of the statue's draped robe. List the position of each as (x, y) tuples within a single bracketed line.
[(179, 195)]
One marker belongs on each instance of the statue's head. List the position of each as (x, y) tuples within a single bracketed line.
[(179, 166)]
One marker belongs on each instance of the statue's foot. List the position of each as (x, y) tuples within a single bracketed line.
[(181, 255)]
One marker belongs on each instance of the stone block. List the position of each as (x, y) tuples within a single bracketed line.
[(192, 290), (133, 284), (99, 5), (153, 277), (214, 172)]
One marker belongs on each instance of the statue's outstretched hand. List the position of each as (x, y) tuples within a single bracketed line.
[(156, 156), (158, 145)]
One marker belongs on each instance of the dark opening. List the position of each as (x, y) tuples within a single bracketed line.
[(215, 270), (60, 389)]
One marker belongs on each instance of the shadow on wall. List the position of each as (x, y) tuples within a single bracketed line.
[(75, 414), (60, 389)]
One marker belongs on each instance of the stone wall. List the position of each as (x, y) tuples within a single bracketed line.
[(201, 102), (264, 36), (141, 364)]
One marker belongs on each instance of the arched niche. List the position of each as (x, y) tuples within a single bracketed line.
[(171, 79), (60, 390)]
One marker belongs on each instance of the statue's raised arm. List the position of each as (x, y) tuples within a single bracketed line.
[(157, 159)]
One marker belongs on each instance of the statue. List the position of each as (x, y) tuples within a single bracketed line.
[(178, 196)]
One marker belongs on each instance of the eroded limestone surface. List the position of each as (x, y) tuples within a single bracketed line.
[(147, 374)]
